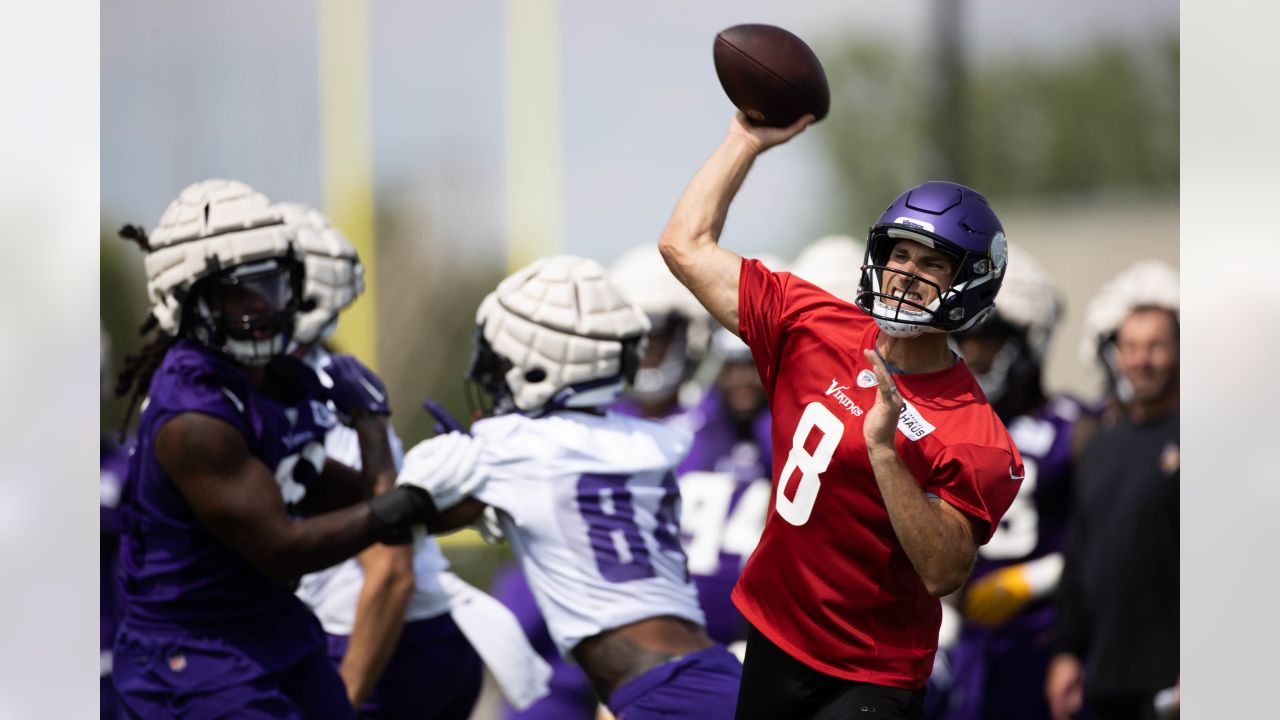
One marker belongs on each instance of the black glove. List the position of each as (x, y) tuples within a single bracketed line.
[(352, 388), (394, 513)]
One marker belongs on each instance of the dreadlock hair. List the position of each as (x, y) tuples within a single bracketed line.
[(137, 234), (135, 377)]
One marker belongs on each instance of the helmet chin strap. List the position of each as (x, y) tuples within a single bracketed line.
[(590, 394)]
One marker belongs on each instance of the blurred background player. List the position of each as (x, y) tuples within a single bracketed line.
[(229, 496), (678, 338), (827, 262), (386, 611), (586, 497), (1116, 631), (724, 482), (1147, 282), (997, 665), (113, 464)]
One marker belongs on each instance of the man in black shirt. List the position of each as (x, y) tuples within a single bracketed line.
[(1117, 627)]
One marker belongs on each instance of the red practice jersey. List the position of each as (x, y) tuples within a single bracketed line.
[(829, 583)]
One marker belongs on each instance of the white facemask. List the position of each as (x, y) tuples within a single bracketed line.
[(896, 328)]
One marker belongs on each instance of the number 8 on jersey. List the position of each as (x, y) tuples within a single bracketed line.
[(797, 509)]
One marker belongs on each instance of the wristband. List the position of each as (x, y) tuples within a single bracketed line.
[(393, 514)]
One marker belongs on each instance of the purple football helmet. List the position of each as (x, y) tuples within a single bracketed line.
[(953, 219)]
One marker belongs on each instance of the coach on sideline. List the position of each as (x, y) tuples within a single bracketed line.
[(1116, 631), (891, 467)]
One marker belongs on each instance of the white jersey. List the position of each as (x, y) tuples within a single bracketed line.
[(332, 593), (591, 508)]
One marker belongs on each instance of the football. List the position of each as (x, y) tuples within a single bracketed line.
[(771, 75)]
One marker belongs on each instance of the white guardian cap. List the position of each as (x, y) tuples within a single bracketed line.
[(1147, 283), (334, 273), (222, 269), (556, 334), (1029, 301)]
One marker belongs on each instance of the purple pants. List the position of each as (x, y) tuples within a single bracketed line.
[(698, 686), (433, 673), (569, 696), (998, 675), (207, 677)]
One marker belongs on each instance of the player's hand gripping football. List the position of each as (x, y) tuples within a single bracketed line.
[(882, 419), (352, 388), (762, 137)]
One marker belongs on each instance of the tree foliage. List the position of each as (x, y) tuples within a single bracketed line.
[(1101, 120)]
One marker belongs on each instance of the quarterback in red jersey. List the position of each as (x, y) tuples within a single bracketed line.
[(890, 467)]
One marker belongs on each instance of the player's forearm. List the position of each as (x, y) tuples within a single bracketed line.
[(700, 214), (938, 548), (689, 243), (378, 467), (303, 546), (456, 517), (388, 584)]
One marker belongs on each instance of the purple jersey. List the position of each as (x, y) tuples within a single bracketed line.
[(113, 463), (1036, 523), (724, 491), (999, 672), (178, 578)]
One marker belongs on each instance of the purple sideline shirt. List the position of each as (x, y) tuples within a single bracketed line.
[(175, 576)]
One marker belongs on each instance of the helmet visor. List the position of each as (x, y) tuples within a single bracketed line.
[(254, 301)]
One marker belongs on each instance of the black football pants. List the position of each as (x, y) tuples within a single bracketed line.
[(776, 685)]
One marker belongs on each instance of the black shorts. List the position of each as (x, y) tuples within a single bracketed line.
[(776, 685)]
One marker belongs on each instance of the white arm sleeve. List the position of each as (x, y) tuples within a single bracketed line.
[(446, 466), (495, 633)]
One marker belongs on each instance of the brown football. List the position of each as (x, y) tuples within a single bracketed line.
[(770, 74)]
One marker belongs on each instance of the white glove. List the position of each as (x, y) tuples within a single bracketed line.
[(489, 527), (446, 466)]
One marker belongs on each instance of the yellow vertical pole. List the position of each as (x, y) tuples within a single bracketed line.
[(534, 172), (346, 132)]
